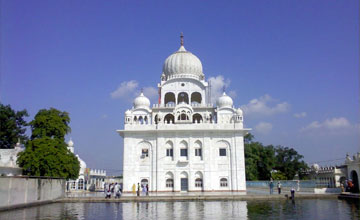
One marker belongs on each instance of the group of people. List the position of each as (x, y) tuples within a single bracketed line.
[(271, 185), (112, 188), (348, 186), (142, 189)]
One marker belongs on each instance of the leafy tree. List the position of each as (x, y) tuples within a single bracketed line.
[(50, 123), (46, 153), (289, 162), (278, 175), (12, 126), (261, 160)]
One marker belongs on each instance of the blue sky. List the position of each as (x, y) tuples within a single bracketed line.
[(292, 65)]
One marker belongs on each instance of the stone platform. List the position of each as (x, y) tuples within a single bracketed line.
[(196, 197)]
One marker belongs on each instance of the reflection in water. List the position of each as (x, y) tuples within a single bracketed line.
[(277, 209)]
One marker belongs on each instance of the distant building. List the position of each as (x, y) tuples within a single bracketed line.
[(86, 177), (353, 169), (327, 177), (8, 158), (184, 143), (334, 176)]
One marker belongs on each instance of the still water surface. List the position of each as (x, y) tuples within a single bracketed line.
[(301, 209)]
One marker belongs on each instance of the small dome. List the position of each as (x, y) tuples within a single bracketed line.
[(315, 166), (141, 101), (82, 163), (224, 101), (182, 62), (70, 143), (239, 111), (128, 112)]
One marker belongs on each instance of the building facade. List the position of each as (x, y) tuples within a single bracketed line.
[(8, 158), (184, 143), (87, 176)]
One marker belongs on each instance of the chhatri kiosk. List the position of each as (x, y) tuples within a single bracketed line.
[(184, 143)]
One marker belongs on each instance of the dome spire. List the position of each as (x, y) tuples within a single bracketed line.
[(181, 39)]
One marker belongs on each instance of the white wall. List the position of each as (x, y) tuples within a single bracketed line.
[(23, 190)]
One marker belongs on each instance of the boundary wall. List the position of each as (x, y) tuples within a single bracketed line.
[(20, 191)]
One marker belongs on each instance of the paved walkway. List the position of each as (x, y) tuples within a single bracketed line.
[(100, 197)]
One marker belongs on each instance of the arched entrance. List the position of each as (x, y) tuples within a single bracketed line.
[(184, 183), (355, 180)]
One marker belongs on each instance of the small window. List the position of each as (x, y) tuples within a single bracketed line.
[(169, 152), (223, 182), (198, 182), (183, 152), (182, 84), (222, 152), (144, 153), (169, 183), (198, 152)]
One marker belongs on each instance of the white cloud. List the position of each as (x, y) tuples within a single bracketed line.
[(300, 115), (128, 90), (263, 127), (125, 89), (217, 84), (328, 124), (265, 105)]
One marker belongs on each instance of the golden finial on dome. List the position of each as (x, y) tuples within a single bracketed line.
[(182, 39)]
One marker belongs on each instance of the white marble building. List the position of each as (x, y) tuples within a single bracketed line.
[(86, 177), (8, 158), (184, 143)]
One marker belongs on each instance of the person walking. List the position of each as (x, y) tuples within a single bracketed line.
[(143, 190), (279, 187), (147, 189), (292, 193), (105, 189), (138, 190), (271, 185), (117, 191)]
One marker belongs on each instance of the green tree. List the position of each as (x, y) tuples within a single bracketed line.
[(289, 161), (12, 126), (259, 159), (46, 153), (50, 123), (278, 175)]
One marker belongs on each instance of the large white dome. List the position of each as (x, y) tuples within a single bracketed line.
[(141, 101), (224, 101), (182, 62)]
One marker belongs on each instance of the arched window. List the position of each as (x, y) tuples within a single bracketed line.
[(73, 185), (169, 98), (169, 119), (198, 150), (141, 120), (145, 120), (223, 182), (197, 118), (169, 183), (196, 98), (81, 184), (183, 97), (135, 119), (156, 119), (169, 150), (198, 182), (144, 182), (183, 149), (169, 180)]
